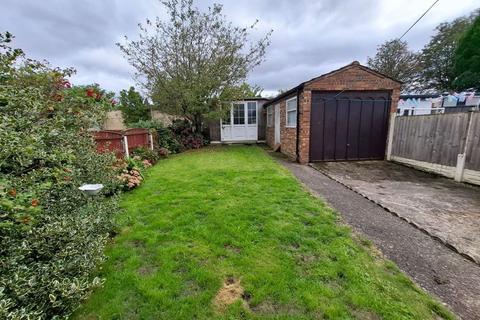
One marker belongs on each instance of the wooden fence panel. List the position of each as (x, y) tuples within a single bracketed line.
[(472, 162), (431, 138), (214, 130), (137, 138), (113, 140), (110, 141)]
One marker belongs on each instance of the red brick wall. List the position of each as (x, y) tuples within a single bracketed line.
[(270, 136), (353, 77), (288, 136)]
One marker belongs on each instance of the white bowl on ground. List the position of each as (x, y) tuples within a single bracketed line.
[(91, 189)]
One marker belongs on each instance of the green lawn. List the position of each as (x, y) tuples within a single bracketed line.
[(227, 224)]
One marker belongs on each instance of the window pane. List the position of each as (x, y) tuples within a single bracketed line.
[(292, 104), (238, 114), (252, 113), (292, 118)]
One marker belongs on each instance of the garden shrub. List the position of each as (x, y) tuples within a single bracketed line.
[(177, 137), (167, 139), (146, 124), (52, 235), (184, 132), (163, 152), (146, 154), (164, 137), (130, 171), (131, 178)]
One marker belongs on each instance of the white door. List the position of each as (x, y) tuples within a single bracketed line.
[(277, 124), (241, 125)]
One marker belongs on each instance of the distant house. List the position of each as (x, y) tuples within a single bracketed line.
[(459, 102), (421, 104), (418, 104)]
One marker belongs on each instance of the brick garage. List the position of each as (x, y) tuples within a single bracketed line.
[(341, 115)]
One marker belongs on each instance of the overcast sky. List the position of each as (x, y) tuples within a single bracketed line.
[(309, 38)]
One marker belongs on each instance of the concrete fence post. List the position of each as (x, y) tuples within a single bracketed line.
[(150, 140), (125, 146), (391, 129), (460, 167)]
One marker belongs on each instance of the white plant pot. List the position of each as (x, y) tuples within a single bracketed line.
[(91, 189)]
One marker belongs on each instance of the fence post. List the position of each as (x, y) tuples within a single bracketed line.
[(391, 129), (125, 146), (150, 138), (460, 167)]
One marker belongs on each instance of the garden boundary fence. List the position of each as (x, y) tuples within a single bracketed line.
[(447, 144), (122, 142)]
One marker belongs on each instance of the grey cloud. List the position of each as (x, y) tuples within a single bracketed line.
[(310, 37), (105, 59)]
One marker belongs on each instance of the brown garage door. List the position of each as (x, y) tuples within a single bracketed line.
[(350, 125)]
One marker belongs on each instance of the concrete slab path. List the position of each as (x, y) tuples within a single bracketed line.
[(445, 209)]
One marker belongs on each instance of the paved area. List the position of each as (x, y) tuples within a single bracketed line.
[(433, 266), (445, 209)]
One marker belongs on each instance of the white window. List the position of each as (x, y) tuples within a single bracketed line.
[(270, 116), (252, 112), (292, 112), (238, 113)]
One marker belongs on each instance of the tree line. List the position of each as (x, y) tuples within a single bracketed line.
[(450, 61), (194, 63)]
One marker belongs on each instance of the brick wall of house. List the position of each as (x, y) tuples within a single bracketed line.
[(288, 136), (353, 77), (270, 136)]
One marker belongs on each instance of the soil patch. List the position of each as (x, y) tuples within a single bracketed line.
[(230, 292), (232, 248), (146, 270)]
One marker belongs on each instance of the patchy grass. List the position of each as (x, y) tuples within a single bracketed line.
[(227, 233)]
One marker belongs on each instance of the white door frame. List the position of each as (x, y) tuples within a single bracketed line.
[(277, 124), (249, 132)]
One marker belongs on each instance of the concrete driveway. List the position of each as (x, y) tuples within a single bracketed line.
[(446, 210)]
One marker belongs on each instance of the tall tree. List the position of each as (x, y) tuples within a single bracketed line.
[(396, 60), (467, 59), (250, 91), (437, 57), (134, 107), (191, 63)]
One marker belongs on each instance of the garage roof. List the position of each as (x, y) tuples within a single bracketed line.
[(255, 99), (350, 65)]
